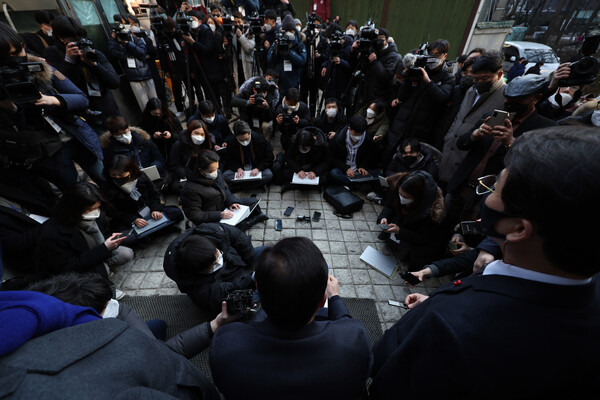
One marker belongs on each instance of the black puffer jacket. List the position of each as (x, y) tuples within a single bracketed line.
[(203, 199), (209, 290)]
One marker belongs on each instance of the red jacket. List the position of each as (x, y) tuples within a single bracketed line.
[(321, 8)]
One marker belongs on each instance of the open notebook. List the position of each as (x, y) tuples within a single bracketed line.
[(306, 181), (151, 172), (247, 177), (240, 214)]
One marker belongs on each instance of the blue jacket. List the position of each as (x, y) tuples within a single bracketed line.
[(135, 50), (297, 58), (517, 69)]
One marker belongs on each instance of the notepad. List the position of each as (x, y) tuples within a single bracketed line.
[(305, 181), (151, 172), (153, 226), (240, 214), (383, 182), (387, 265), (247, 177)]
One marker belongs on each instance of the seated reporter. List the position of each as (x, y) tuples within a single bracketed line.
[(247, 151), (306, 157), (291, 116), (216, 123), (162, 124), (205, 197)]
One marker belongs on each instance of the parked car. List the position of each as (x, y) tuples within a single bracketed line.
[(533, 52)]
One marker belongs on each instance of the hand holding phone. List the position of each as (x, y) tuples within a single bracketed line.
[(384, 227), (498, 117), (410, 278)]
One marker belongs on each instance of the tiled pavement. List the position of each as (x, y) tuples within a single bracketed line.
[(342, 241)]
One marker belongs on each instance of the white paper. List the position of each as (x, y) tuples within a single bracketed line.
[(306, 181), (151, 172), (287, 66), (239, 215), (383, 181), (247, 177), (382, 263), (38, 218)]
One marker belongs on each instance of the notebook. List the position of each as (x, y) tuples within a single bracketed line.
[(385, 264), (153, 226), (247, 177), (151, 172), (306, 181), (240, 214), (383, 182)]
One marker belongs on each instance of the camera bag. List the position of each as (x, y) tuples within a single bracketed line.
[(344, 201)]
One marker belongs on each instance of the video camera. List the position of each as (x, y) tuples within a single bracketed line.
[(242, 302), (87, 49), (227, 26), (17, 83), (122, 32), (335, 43), (157, 20), (183, 22), (256, 22), (282, 42), (367, 38), (310, 24), (585, 70), (414, 73)]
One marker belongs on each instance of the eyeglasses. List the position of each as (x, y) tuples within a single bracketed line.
[(486, 184)]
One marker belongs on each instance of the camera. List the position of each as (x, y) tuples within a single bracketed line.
[(256, 23), (227, 26), (17, 83), (157, 20), (583, 72), (310, 24), (414, 73), (282, 42), (258, 98), (288, 119), (183, 22), (241, 302), (367, 38), (335, 43), (87, 49), (122, 32), (303, 218)]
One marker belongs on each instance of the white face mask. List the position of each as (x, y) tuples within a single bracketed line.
[(267, 27), (219, 263), (91, 216), (291, 108), (112, 309), (128, 187), (355, 138), (404, 200), (244, 142), (303, 151), (331, 112), (211, 175), (370, 113), (291, 35), (195, 25), (49, 33), (433, 63), (125, 139), (596, 118), (209, 120), (350, 32), (212, 27), (198, 139), (564, 97)]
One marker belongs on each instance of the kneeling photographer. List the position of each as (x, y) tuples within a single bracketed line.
[(74, 55), (39, 127)]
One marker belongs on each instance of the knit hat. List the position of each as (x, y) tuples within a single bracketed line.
[(288, 23)]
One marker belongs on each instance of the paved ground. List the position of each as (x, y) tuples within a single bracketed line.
[(342, 241)]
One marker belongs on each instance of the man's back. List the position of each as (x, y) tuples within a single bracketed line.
[(326, 359)]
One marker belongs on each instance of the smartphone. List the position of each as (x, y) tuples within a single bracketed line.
[(288, 211), (498, 117), (471, 228), (453, 245), (316, 216), (410, 278), (384, 227), (397, 304), (278, 225)]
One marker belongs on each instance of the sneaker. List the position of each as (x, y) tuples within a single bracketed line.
[(119, 294), (371, 195)]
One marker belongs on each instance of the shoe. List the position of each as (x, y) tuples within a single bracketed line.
[(119, 294), (374, 198)]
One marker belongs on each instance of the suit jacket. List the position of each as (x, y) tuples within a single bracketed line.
[(493, 337), (64, 364), (327, 359)]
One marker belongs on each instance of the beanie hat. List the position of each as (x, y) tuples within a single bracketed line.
[(288, 23)]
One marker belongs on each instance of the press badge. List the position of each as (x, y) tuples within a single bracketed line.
[(177, 46), (255, 123), (93, 92), (53, 124), (130, 62), (287, 66)]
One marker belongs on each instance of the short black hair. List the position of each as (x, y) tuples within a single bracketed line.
[(538, 185), (491, 61), (357, 123), (379, 106), (413, 142), (479, 50), (195, 253), (272, 72), (304, 138), (204, 159), (292, 94), (206, 107), (43, 17), (270, 14), (75, 200), (121, 163), (85, 290), (441, 45), (331, 100), (468, 63), (384, 32), (291, 278), (352, 22), (241, 128), (68, 28), (461, 59), (9, 38)]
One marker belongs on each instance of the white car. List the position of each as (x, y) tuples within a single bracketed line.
[(533, 52)]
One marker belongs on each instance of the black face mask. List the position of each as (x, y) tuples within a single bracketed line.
[(121, 181), (466, 82), (409, 160), (489, 217), (517, 108), (483, 87), (379, 44)]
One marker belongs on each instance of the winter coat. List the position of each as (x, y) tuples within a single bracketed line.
[(141, 149), (316, 160), (203, 199), (323, 123), (208, 290), (427, 163), (260, 148), (219, 128), (364, 159), (297, 59), (134, 50), (207, 48)]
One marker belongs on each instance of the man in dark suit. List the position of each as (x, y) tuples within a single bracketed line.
[(524, 327), (291, 352)]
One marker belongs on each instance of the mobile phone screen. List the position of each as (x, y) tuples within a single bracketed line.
[(288, 211), (278, 225)]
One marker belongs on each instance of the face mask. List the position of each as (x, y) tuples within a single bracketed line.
[(404, 200), (121, 181), (244, 142), (299, 28), (483, 87), (560, 100), (379, 44), (90, 216), (409, 160), (350, 32), (291, 108), (128, 187), (303, 151), (212, 27), (370, 113), (49, 33), (209, 120), (596, 118), (198, 139), (489, 217), (331, 112), (135, 29), (211, 175), (291, 35), (517, 108), (355, 138), (125, 139), (266, 27), (195, 25), (433, 63), (466, 82), (219, 263)]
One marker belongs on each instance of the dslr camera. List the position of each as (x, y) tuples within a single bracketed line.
[(288, 119), (17, 83), (585, 70), (87, 49), (242, 302), (414, 73)]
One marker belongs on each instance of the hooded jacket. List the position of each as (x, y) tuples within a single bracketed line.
[(297, 60), (141, 149)]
